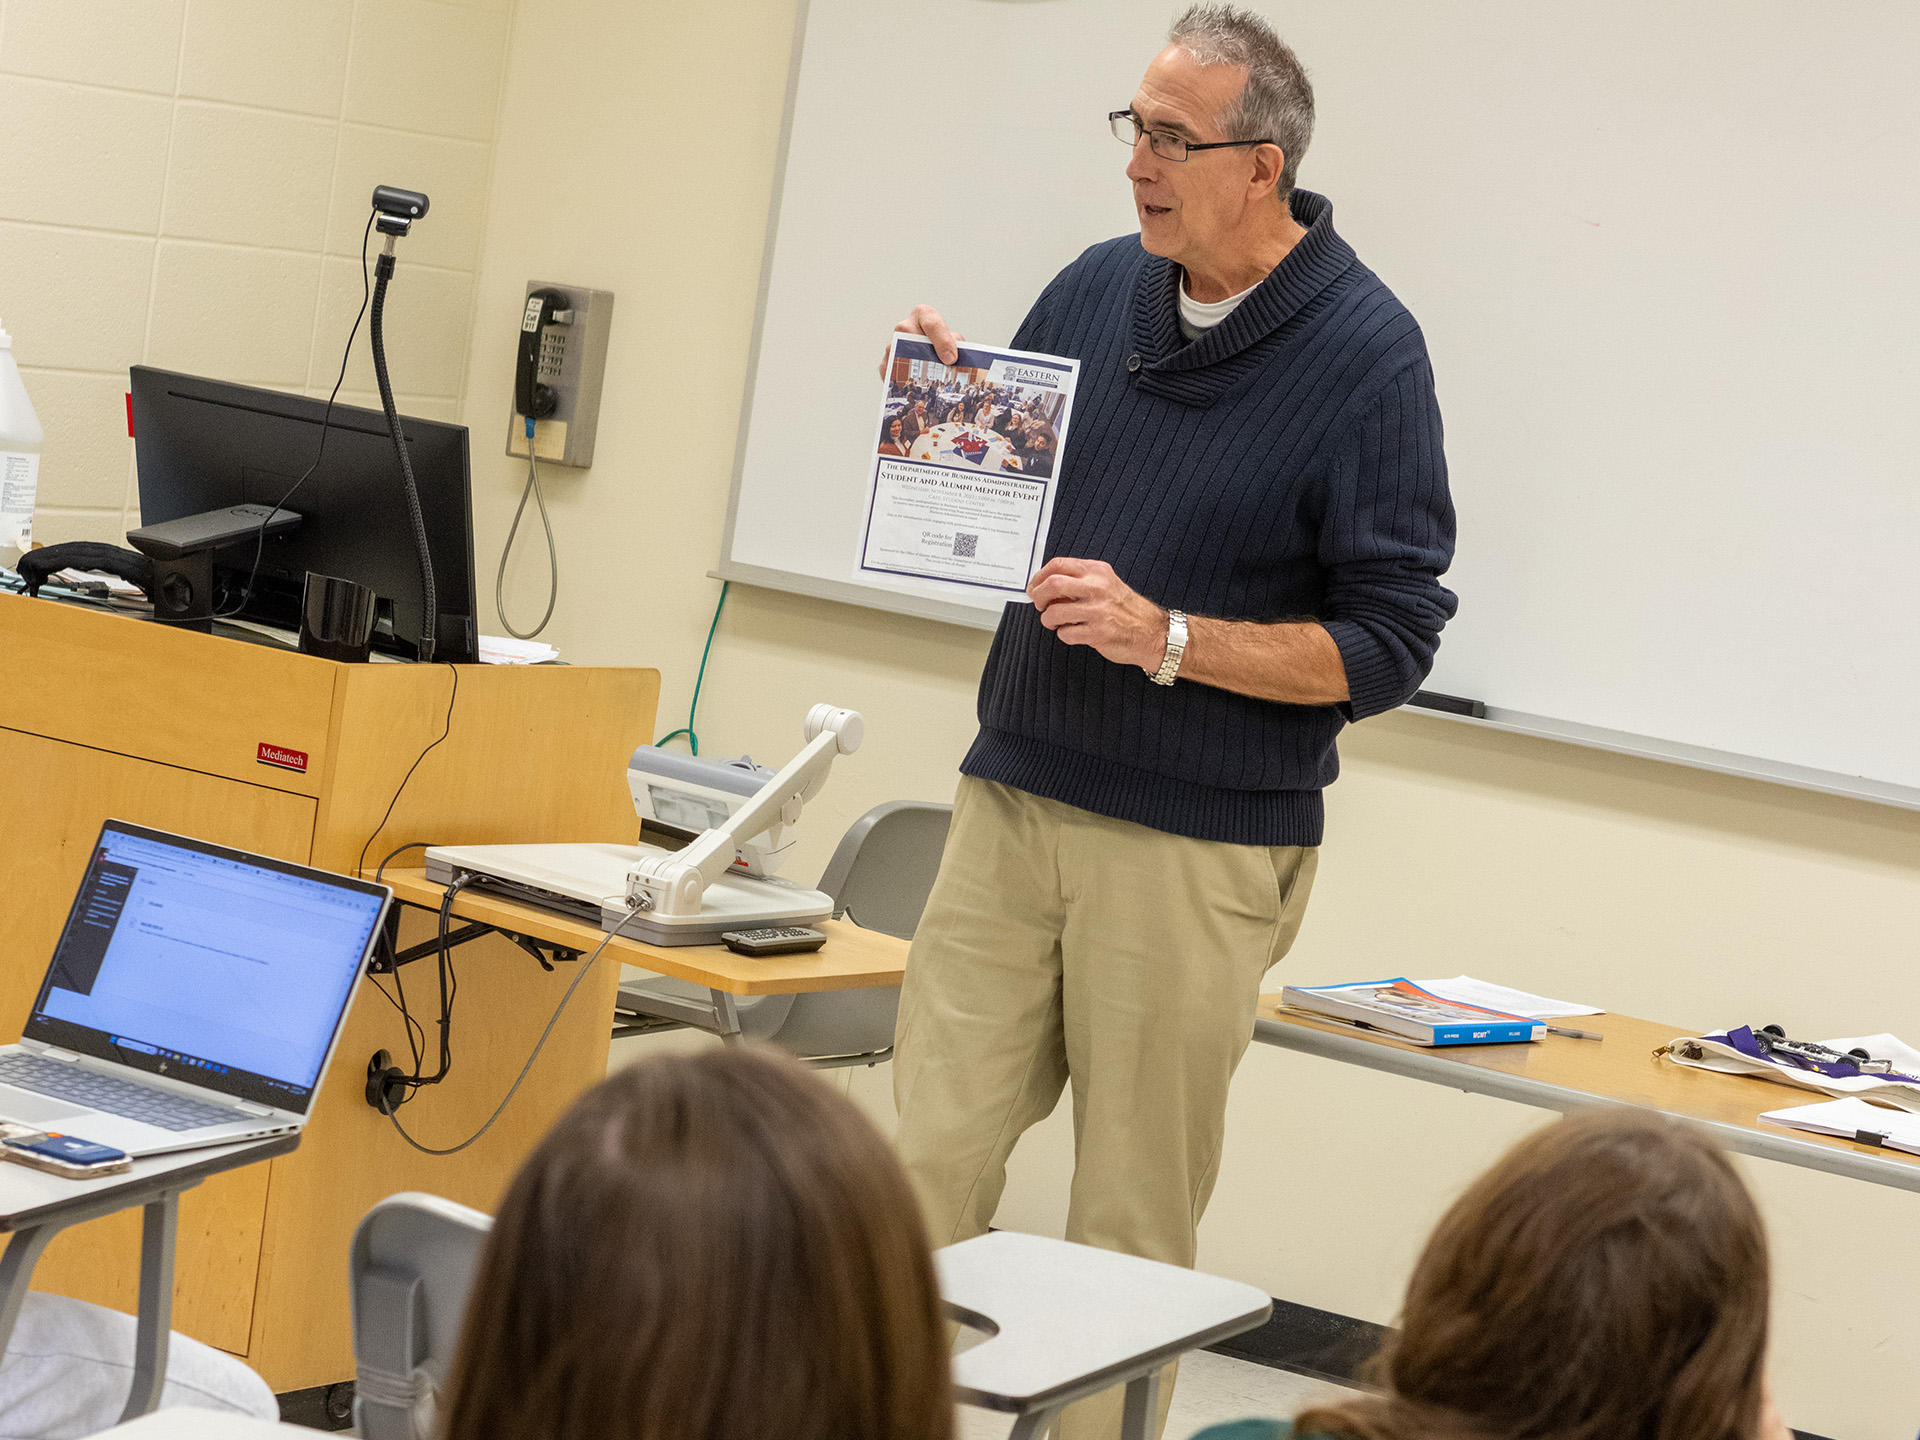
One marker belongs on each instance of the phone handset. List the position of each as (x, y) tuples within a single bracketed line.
[(531, 398)]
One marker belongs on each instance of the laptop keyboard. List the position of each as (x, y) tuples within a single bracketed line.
[(110, 1093)]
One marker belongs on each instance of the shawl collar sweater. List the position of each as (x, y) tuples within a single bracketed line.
[(1285, 465)]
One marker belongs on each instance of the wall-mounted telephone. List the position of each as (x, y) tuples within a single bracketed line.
[(531, 396), (557, 375)]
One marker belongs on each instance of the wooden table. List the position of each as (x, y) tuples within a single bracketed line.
[(1556, 1073), (852, 958)]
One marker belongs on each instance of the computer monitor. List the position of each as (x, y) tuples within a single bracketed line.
[(204, 445)]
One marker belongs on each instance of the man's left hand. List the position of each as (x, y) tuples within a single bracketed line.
[(1085, 603)]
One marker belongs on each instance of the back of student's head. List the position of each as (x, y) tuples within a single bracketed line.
[(1606, 1280), (713, 1246)]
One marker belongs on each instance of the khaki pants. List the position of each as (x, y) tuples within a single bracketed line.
[(1059, 946)]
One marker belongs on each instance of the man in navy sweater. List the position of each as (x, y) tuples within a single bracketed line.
[(1251, 521)]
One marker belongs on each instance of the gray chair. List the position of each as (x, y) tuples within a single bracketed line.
[(1067, 1321), (879, 878), (412, 1265)]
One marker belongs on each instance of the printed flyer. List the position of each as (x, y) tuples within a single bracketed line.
[(961, 491)]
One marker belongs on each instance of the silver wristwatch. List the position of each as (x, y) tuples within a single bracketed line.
[(1176, 647)]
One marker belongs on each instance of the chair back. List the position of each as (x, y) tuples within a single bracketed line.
[(879, 878), (885, 865), (412, 1265)]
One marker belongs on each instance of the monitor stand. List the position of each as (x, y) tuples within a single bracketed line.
[(182, 555)]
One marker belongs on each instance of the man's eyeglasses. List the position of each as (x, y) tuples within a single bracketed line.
[(1127, 129)]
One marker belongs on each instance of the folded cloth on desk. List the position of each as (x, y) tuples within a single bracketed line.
[(38, 566), (1853, 1119), (1736, 1052), (1466, 990)]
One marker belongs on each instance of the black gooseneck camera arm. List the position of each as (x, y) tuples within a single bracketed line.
[(394, 214)]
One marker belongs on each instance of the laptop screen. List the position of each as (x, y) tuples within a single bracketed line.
[(209, 965)]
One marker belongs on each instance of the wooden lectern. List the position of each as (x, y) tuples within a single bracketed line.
[(105, 716)]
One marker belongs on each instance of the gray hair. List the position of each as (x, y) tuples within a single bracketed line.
[(1276, 103)]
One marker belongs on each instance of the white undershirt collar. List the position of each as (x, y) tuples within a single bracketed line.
[(1197, 316)]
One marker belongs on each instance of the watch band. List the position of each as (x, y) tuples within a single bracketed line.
[(1176, 647)]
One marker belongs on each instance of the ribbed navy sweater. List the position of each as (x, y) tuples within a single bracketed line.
[(1285, 465)]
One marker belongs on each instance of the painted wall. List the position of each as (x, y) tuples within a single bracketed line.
[(184, 183)]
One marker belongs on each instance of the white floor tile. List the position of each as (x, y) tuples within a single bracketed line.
[(1214, 1388)]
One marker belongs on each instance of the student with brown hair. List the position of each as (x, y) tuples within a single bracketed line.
[(713, 1246), (1606, 1280)]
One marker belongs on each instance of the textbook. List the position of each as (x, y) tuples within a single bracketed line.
[(1400, 1007)]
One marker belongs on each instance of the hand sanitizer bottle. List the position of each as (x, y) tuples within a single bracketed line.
[(20, 437)]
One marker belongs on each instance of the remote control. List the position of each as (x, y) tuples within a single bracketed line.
[(775, 940)]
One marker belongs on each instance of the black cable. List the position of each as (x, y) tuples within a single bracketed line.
[(326, 419), (444, 963), (430, 616), (393, 960), (379, 875), (538, 1046), (416, 1035), (408, 1020), (446, 729), (415, 1047)]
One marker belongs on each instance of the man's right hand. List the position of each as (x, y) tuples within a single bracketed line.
[(925, 320)]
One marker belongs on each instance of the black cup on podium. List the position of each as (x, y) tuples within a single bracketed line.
[(336, 619)]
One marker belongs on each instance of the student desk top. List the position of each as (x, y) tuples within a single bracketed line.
[(1557, 1073), (852, 958), (34, 1207)]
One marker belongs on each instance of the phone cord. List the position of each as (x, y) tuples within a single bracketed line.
[(553, 565)]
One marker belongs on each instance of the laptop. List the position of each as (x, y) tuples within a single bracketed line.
[(194, 999)]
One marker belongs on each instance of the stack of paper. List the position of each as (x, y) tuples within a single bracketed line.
[(98, 582), (498, 650), (1465, 990), (1853, 1119)]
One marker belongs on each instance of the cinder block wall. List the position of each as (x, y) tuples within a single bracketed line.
[(184, 183)]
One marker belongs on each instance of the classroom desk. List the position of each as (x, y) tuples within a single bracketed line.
[(1556, 1073), (35, 1207), (852, 958)]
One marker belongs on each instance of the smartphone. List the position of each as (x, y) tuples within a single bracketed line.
[(66, 1155)]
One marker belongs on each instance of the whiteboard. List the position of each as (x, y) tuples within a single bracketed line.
[(1663, 256)]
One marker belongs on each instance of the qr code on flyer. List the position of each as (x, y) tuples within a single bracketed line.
[(966, 547)]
